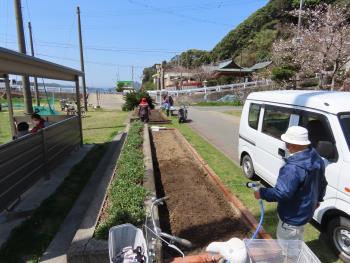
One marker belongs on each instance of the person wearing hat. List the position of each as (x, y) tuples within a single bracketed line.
[(144, 110), (300, 187)]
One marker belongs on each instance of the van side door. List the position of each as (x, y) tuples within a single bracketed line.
[(269, 146), (320, 131)]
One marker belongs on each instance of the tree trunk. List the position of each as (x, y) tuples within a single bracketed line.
[(320, 81), (335, 68), (333, 82)]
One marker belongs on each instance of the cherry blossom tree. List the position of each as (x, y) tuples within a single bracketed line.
[(322, 45)]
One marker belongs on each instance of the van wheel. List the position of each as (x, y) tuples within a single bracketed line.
[(248, 167), (338, 231)]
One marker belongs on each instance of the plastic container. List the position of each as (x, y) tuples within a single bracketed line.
[(124, 236), (276, 251)]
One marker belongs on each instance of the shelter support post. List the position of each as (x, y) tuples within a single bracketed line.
[(79, 108), (45, 155), (82, 60), (9, 105)]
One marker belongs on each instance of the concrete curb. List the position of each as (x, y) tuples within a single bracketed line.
[(247, 215), (84, 248), (154, 245), (85, 205)]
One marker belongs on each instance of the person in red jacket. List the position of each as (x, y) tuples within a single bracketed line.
[(144, 110), (39, 123)]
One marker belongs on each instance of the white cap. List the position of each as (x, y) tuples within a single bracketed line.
[(296, 135)]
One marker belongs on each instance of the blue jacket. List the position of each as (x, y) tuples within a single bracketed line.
[(301, 185)]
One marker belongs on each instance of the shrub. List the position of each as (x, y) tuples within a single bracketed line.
[(149, 85), (133, 99), (282, 74), (126, 193)]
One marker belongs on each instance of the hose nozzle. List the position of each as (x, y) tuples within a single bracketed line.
[(254, 185)]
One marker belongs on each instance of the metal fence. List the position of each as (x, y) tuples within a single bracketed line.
[(218, 88), (205, 90), (24, 161)]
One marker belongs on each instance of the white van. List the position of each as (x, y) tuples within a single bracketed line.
[(326, 115)]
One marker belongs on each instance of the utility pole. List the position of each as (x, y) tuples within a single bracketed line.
[(118, 73), (9, 105), (161, 76), (299, 19), (27, 95), (299, 40), (37, 95), (82, 59), (158, 85), (132, 77)]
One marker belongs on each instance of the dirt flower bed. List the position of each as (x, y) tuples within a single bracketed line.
[(156, 117), (126, 194), (196, 209)]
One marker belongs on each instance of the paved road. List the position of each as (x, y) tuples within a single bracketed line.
[(219, 128), (107, 101)]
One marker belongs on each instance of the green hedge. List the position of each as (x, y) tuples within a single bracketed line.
[(126, 193), (133, 99)]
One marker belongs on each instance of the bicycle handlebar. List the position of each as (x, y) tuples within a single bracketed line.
[(181, 241), (160, 200)]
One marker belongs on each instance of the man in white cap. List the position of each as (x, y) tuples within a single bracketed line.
[(301, 185)]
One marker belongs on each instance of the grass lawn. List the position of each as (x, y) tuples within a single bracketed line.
[(102, 125), (5, 130), (29, 240), (98, 126), (232, 176), (236, 113)]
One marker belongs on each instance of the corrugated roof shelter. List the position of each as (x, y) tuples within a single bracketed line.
[(27, 159), (12, 62)]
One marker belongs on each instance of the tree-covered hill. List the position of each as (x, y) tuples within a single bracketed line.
[(250, 41), (256, 34)]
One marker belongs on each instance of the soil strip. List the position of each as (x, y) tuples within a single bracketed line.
[(196, 209), (157, 117)]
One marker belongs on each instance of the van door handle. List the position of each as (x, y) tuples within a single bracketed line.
[(282, 152)]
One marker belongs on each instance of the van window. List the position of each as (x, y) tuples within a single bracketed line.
[(254, 113), (344, 119), (276, 121), (317, 126)]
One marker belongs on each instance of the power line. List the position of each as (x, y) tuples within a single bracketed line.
[(92, 62), (177, 14), (108, 49), (69, 35), (191, 8)]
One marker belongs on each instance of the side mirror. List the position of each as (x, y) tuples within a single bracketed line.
[(326, 149)]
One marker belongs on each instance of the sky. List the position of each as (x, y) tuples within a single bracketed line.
[(121, 34)]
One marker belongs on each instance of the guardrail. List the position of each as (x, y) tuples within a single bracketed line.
[(213, 88), (25, 160)]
